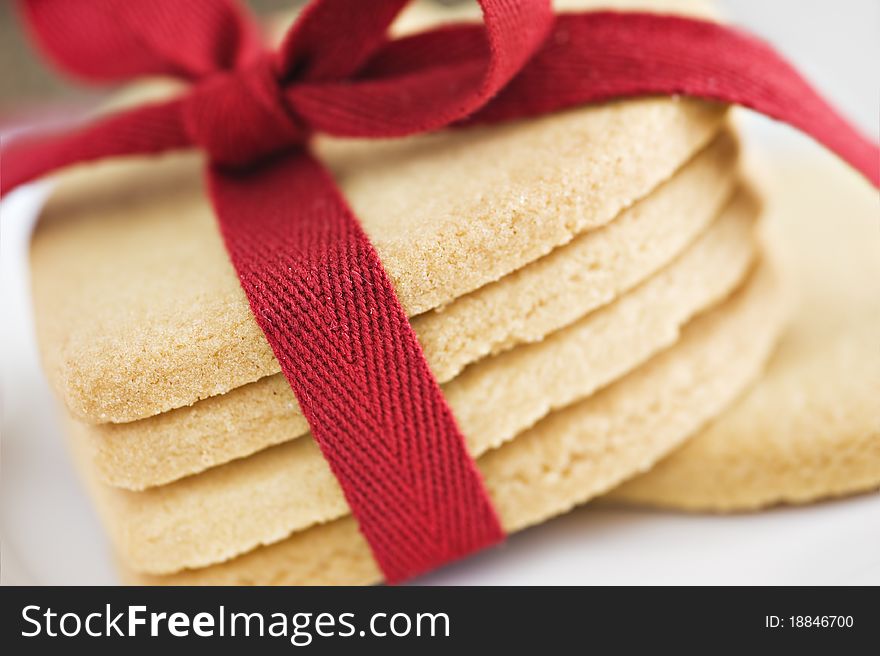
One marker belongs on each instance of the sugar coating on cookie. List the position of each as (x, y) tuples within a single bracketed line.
[(524, 306), (261, 499), (810, 428), (569, 457), (139, 311)]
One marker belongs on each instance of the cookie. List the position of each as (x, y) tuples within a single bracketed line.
[(810, 428), (139, 311), (260, 499), (571, 456), (523, 306)]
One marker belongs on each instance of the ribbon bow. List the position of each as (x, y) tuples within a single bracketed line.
[(311, 276)]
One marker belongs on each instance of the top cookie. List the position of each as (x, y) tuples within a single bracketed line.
[(139, 310)]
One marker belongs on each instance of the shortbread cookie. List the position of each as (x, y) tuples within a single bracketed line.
[(260, 499), (811, 427), (139, 311), (534, 301), (566, 459)]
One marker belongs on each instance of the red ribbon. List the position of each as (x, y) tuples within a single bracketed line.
[(313, 280)]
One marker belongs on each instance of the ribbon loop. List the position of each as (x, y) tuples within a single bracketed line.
[(118, 40), (449, 84), (332, 39), (241, 117)]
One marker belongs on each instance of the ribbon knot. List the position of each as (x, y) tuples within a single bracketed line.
[(241, 117)]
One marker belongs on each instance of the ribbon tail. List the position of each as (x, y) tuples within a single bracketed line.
[(606, 55), (150, 129), (330, 313)]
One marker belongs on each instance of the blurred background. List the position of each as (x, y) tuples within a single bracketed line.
[(836, 43)]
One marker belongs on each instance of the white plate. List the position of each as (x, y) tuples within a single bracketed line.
[(50, 534)]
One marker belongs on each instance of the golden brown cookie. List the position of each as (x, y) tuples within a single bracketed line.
[(260, 499), (810, 428), (565, 459), (139, 311), (524, 306)]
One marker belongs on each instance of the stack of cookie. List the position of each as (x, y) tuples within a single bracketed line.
[(588, 288)]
